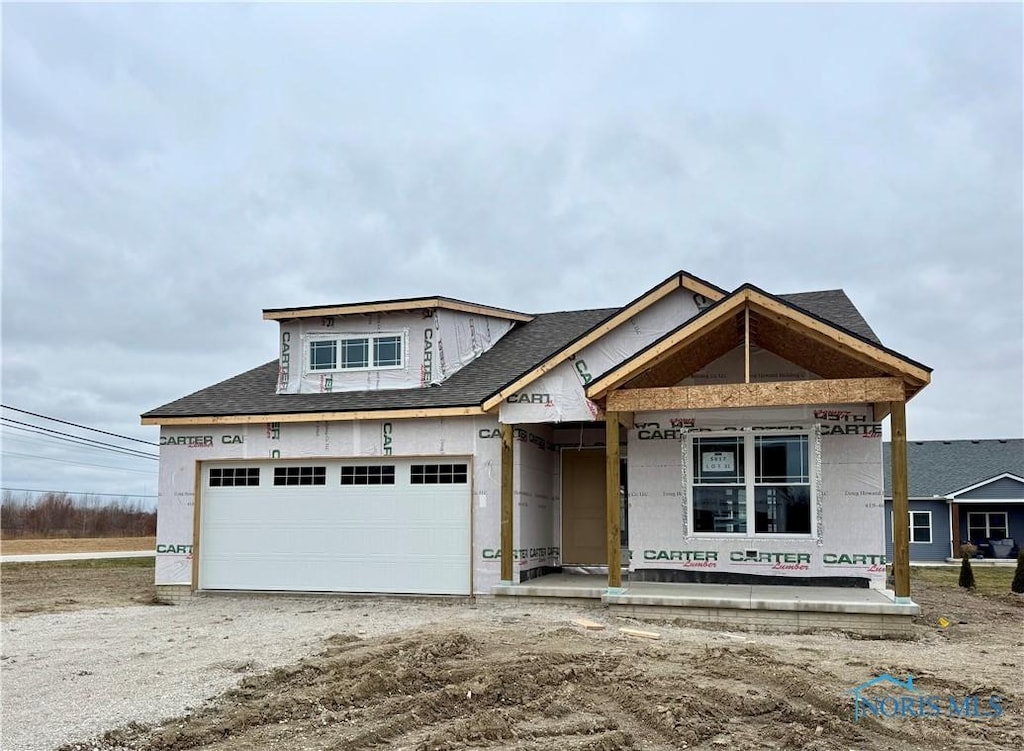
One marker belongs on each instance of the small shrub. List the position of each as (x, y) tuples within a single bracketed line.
[(968, 549), (1017, 585), (966, 573)]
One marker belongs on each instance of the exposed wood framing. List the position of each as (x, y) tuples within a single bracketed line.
[(642, 303), (626, 420), (799, 348), (880, 410), (746, 345), (382, 414), (900, 503), (196, 519), (830, 335), (831, 352), (717, 341), (507, 544), (390, 306), (612, 481), (776, 394), (664, 349)]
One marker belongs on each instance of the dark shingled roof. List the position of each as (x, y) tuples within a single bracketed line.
[(833, 305), (944, 467), (518, 352), (523, 348)]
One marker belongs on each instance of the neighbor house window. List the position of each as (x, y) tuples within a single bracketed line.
[(356, 352), (737, 478), (987, 525), (920, 526)]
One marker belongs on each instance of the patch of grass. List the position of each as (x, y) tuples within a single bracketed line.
[(989, 580), (94, 563)]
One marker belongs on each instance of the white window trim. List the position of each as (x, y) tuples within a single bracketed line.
[(339, 337), (988, 525), (910, 529), (748, 472)]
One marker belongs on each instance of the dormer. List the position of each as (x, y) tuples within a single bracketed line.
[(391, 344)]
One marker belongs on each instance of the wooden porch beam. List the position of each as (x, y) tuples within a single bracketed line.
[(777, 394), (507, 545), (881, 410), (900, 503), (612, 498)]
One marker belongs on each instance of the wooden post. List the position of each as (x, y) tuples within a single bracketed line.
[(507, 457), (611, 474), (955, 522), (900, 506), (746, 345)]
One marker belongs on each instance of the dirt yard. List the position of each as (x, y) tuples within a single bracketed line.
[(394, 674), (56, 587), (73, 545)]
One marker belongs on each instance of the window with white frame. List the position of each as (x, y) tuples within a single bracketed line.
[(920, 526), (987, 525), (739, 477), (356, 352)]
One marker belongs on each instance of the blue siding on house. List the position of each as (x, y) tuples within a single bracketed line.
[(1014, 512), (938, 550), (1002, 489)]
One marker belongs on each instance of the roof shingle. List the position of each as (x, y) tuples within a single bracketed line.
[(938, 468), (522, 349)]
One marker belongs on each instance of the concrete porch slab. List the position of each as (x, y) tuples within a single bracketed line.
[(866, 611), (761, 597), (591, 587)]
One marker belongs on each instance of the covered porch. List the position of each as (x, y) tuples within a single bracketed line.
[(839, 370)]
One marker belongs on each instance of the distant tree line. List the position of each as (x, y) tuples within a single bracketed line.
[(64, 515)]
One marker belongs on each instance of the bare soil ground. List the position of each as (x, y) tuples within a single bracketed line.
[(72, 545), (526, 678), (60, 586)]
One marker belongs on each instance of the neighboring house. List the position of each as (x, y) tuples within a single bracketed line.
[(431, 445), (962, 491)]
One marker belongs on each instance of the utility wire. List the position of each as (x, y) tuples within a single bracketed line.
[(58, 435), (76, 425), (78, 492), (80, 464), (73, 447)]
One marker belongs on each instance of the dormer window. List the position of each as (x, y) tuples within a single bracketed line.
[(356, 352)]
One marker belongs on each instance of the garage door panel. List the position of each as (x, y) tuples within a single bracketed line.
[(399, 538)]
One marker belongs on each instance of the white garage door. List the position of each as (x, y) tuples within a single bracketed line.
[(390, 525)]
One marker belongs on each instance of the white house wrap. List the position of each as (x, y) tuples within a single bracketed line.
[(434, 446)]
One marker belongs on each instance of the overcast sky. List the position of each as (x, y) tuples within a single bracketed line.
[(170, 170)]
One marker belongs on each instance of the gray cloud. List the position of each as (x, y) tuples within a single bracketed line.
[(171, 170)]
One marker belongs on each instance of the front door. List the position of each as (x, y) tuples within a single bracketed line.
[(584, 524)]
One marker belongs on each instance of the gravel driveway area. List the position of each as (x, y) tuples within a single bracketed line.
[(67, 676)]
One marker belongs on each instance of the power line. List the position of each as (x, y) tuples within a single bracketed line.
[(68, 461), (76, 425), (41, 439), (69, 438), (78, 492)]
